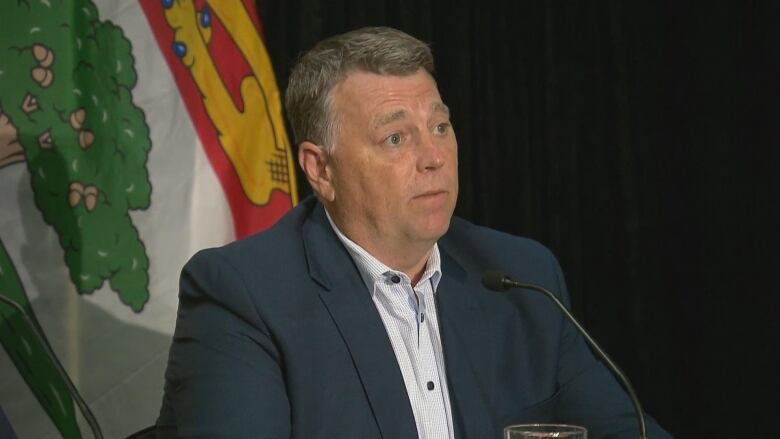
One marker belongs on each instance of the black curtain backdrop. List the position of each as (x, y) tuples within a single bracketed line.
[(638, 142)]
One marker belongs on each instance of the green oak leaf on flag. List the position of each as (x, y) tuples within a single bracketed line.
[(29, 355)]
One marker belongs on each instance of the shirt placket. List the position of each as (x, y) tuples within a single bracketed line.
[(401, 301), (436, 419)]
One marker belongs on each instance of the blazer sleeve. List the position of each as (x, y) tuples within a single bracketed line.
[(589, 394), (224, 377)]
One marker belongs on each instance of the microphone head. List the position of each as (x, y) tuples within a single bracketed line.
[(496, 281)]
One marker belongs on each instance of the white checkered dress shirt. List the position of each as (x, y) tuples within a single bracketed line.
[(411, 321)]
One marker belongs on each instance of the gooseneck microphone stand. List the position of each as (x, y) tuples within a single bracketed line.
[(500, 282)]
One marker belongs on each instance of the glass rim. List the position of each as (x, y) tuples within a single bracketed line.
[(570, 427)]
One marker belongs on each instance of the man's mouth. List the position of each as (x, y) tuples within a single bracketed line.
[(431, 195)]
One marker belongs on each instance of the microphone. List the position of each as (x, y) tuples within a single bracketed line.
[(500, 282), (74, 393)]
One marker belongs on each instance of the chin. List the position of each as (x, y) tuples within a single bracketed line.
[(435, 229)]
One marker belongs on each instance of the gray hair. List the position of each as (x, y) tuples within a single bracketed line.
[(380, 50)]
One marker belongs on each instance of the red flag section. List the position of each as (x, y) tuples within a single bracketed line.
[(224, 75)]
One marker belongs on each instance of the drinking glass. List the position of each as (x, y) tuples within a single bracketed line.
[(536, 431)]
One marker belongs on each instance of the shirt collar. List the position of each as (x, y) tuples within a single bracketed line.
[(373, 270)]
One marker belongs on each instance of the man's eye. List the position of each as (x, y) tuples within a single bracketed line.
[(442, 128), (394, 139)]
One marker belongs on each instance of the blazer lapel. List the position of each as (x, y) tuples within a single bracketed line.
[(349, 304), (465, 342)]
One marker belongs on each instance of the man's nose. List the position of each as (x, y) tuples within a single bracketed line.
[(432, 154)]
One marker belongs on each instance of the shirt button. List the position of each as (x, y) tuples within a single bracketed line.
[(430, 385), (395, 279), (422, 317)]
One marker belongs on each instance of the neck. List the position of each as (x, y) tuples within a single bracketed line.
[(409, 258), (413, 267)]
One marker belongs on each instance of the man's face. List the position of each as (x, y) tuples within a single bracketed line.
[(394, 164)]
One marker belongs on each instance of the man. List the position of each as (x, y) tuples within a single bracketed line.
[(361, 313)]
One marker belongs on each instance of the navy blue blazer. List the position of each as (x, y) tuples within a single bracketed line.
[(277, 337)]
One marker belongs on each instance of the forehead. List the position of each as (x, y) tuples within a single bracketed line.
[(370, 92)]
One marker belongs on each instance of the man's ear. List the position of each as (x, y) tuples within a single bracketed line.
[(314, 162)]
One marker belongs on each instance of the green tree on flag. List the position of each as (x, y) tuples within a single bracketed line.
[(66, 110)]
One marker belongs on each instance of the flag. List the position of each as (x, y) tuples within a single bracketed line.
[(132, 134)]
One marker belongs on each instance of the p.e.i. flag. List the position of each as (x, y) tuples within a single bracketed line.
[(132, 134)]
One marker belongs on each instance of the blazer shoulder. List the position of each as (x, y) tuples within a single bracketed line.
[(471, 237), (482, 248), (278, 248)]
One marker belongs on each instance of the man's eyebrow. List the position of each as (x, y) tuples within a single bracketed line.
[(438, 107), (388, 118)]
